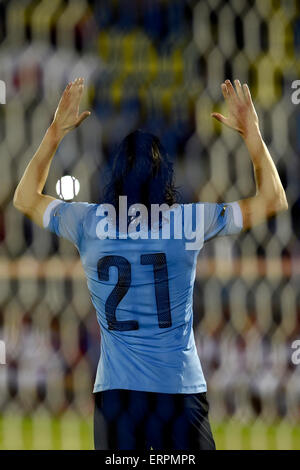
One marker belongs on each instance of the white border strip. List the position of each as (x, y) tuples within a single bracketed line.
[(237, 214), (46, 216)]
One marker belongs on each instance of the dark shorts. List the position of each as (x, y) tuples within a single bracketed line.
[(126, 419)]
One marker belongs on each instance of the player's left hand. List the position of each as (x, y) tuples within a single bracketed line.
[(67, 115), (242, 116)]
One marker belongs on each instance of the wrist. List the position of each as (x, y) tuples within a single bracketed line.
[(56, 132), (255, 144), (252, 133)]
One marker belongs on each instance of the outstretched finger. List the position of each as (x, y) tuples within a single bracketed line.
[(239, 90), (82, 117), (224, 91), (247, 94), (75, 84), (230, 89), (78, 86), (219, 117), (64, 94)]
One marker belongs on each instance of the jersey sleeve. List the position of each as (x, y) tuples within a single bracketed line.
[(222, 219), (66, 219)]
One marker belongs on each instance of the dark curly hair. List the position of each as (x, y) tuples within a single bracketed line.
[(141, 171)]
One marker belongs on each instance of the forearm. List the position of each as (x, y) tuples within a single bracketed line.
[(268, 185), (36, 173), (270, 196)]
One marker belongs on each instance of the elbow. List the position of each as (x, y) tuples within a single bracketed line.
[(25, 203), (279, 204), (282, 202), (18, 205), (18, 202), (271, 206), (285, 206)]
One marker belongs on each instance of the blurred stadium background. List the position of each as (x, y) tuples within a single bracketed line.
[(156, 65)]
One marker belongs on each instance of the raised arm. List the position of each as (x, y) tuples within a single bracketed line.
[(270, 196), (28, 197)]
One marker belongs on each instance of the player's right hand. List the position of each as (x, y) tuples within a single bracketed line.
[(67, 115), (242, 116)]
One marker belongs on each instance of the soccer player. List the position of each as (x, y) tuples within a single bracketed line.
[(150, 391)]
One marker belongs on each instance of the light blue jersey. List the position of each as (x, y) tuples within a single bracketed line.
[(142, 291)]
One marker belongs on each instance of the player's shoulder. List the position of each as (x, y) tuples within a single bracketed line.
[(67, 210), (85, 211), (77, 208)]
